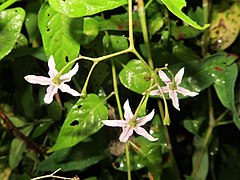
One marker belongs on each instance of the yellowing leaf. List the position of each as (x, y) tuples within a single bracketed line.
[(225, 27)]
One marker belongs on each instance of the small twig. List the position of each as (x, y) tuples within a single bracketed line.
[(53, 176), (16, 132)]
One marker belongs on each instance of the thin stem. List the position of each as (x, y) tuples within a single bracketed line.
[(130, 24), (104, 57), (205, 5), (169, 144), (154, 76), (115, 87), (224, 123), (128, 161), (142, 16), (222, 115), (207, 136), (53, 176), (84, 89), (17, 133), (148, 3), (7, 4)]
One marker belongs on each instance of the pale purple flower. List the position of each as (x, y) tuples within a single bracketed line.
[(53, 82), (131, 124), (172, 87)]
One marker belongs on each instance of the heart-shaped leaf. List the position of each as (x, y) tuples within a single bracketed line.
[(83, 120)]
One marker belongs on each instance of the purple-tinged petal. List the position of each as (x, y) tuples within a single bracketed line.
[(67, 77), (52, 67), (127, 111), (186, 92), (173, 96), (143, 120), (155, 92), (66, 88), (114, 123), (38, 80), (127, 132), (51, 90), (144, 133), (165, 89), (164, 77), (178, 76)]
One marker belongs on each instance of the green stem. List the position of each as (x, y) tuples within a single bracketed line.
[(7, 4), (142, 16), (205, 5), (114, 76), (128, 161), (84, 89), (104, 57), (207, 136), (130, 24), (224, 123), (222, 115), (154, 76), (148, 3), (169, 144)]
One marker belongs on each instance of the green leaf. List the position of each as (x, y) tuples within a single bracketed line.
[(202, 75), (200, 156), (89, 31), (55, 111), (224, 87), (79, 157), (119, 22), (175, 6), (83, 120), (11, 22), (17, 148), (135, 76), (60, 34), (79, 8), (31, 21), (193, 126)]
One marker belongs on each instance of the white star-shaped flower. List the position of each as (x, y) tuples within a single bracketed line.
[(131, 124), (53, 81), (172, 87)]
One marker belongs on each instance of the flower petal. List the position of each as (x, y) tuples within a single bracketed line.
[(127, 111), (52, 67), (155, 92), (173, 96), (165, 89), (114, 123), (186, 92), (51, 90), (127, 132), (164, 77), (66, 88), (178, 76), (38, 80), (143, 120), (67, 77), (144, 133)]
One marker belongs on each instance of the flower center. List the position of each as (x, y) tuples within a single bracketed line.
[(173, 85), (132, 123), (56, 80)]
